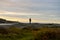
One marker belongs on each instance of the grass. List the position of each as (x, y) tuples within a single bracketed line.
[(14, 33)]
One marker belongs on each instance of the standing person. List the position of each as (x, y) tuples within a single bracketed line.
[(30, 20)]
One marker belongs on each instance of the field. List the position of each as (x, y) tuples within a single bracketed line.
[(28, 33)]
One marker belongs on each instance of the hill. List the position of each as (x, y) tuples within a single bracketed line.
[(7, 23)]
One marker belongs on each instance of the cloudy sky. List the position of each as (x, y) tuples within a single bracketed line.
[(43, 10)]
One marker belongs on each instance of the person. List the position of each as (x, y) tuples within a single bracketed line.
[(30, 20)]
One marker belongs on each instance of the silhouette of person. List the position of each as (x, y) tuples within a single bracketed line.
[(30, 20)]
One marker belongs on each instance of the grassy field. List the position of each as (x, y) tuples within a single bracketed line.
[(14, 33)]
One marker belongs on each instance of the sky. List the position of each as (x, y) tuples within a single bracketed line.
[(39, 10)]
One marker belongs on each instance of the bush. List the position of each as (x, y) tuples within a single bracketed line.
[(48, 35)]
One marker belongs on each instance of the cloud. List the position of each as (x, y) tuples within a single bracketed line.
[(39, 9), (15, 13), (28, 5), (30, 15), (33, 20)]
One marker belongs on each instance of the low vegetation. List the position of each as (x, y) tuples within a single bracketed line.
[(29, 33)]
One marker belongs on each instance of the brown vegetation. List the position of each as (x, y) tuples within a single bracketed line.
[(38, 34)]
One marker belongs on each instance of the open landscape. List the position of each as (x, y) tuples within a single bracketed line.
[(29, 19), (26, 31)]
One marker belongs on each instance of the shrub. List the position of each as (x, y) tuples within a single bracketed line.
[(48, 35)]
